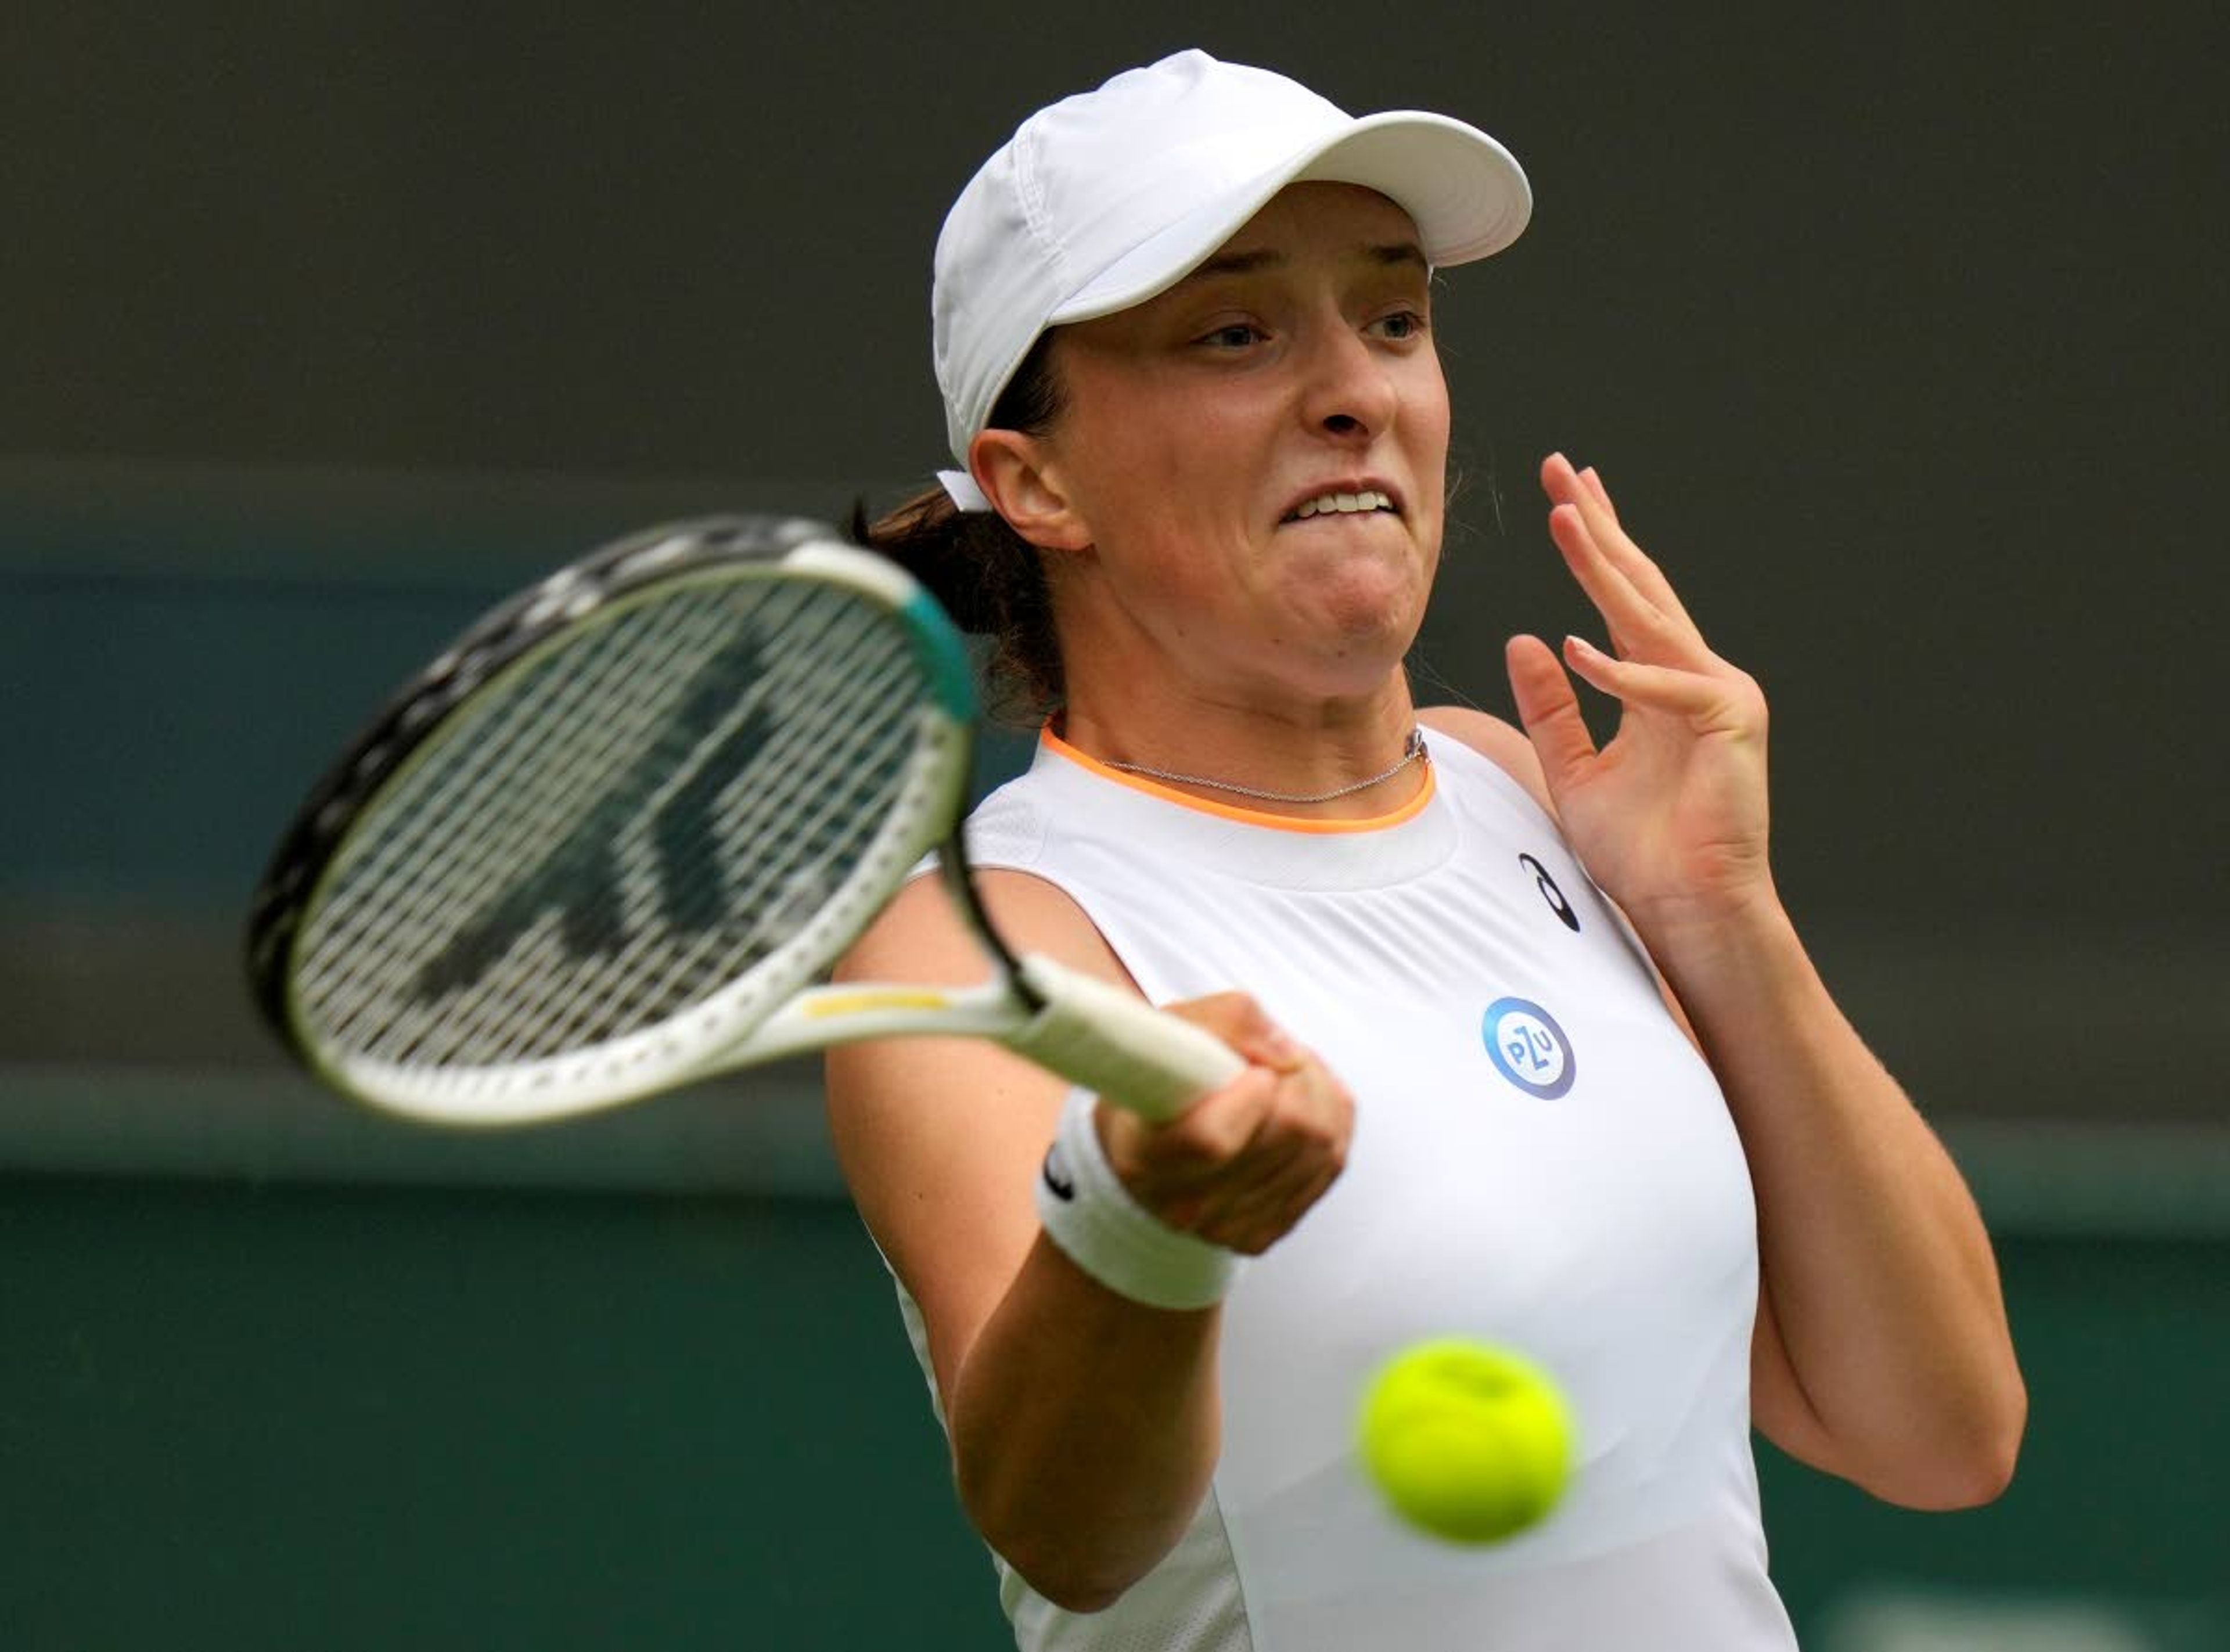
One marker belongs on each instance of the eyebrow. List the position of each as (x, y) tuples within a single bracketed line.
[(1225, 264)]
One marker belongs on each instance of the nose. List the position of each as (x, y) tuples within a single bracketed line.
[(1348, 392)]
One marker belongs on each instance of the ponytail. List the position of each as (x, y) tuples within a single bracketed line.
[(986, 576)]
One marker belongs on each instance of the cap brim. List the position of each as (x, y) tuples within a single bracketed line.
[(1466, 193)]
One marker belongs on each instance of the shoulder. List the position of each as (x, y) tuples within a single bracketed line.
[(922, 936), (1501, 743)]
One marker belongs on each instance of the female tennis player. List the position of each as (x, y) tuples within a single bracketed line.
[(1535, 1055)]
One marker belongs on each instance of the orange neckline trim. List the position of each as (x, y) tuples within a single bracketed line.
[(1233, 812)]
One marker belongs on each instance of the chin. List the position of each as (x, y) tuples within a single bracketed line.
[(1355, 656), (1370, 603)]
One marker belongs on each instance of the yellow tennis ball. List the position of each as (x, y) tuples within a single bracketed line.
[(1470, 1442)]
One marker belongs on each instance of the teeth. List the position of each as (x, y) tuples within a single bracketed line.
[(1344, 504)]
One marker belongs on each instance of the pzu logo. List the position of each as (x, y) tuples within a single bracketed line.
[(1529, 1048)]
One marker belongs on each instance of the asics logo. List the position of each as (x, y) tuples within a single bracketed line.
[(1551, 893)]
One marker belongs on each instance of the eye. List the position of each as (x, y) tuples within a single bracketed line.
[(1401, 325), (1233, 335)]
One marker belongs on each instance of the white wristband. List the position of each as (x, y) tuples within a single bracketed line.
[(1092, 1217)]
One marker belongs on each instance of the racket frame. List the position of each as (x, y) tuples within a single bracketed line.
[(1095, 1033), (442, 704)]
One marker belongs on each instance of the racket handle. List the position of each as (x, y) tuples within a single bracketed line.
[(1117, 1045)]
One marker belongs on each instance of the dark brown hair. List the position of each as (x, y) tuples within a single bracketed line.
[(988, 576)]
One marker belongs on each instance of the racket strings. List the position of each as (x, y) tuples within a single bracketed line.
[(752, 818), (440, 843), (804, 827), (459, 831), (652, 809), (846, 781), (543, 983), (465, 824), (551, 1009)]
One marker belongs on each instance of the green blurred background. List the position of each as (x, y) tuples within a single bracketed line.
[(1895, 330)]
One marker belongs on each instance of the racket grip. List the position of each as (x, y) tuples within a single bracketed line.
[(1118, 1045)]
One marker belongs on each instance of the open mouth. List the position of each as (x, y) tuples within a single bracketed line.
[(1344, 504)]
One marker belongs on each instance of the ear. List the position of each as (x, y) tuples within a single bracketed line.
[(1017, 474)]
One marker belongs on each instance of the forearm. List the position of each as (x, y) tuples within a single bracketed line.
[(1084, 1430), (1873, 1256)]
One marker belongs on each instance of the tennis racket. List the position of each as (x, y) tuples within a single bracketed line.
[(613, 839)]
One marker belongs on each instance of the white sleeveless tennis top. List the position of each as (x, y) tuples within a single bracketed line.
[(1540, 1160)]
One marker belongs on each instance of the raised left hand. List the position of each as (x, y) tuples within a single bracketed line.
[(1670, 814)]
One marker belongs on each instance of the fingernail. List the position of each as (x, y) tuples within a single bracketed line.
[(1582, 645)]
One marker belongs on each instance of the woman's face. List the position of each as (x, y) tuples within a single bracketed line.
[(1209, 436)]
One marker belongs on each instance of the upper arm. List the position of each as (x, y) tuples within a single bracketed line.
[(939, 1139)]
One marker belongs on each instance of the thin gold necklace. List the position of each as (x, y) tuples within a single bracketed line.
[(1412, 752)]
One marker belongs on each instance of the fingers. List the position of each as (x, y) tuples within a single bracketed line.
[(1245, 1164), (1237, 1020), (1548, 711), (1636, 599), (1562, 482), (1662, 662), (1250, 1201), (1638, 626), (1689, 694), (1595, 486)]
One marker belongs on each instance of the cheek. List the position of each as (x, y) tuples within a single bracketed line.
[(1150, 467), (1428, 413), (1429, 435)]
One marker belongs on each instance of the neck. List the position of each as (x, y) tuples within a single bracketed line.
[(1330, 762)]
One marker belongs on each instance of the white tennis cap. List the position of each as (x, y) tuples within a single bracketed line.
[(1107, 198)]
